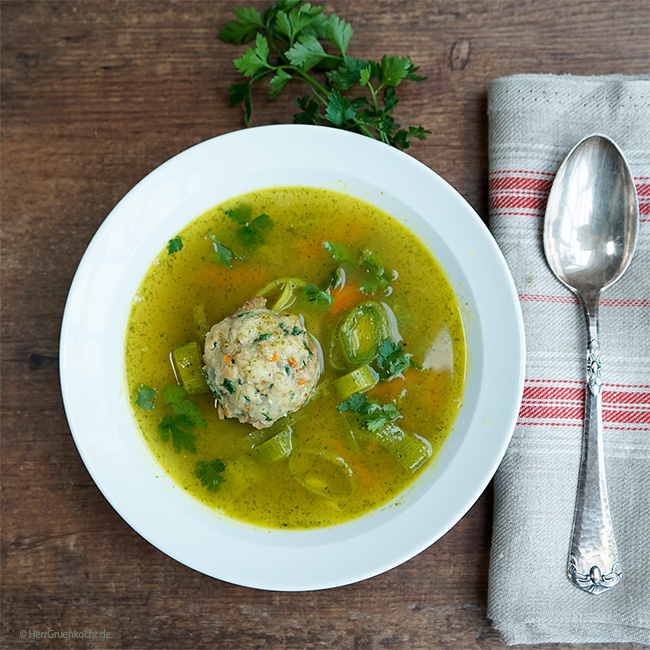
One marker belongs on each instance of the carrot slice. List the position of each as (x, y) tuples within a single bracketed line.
[(391, 390), (346, 297)]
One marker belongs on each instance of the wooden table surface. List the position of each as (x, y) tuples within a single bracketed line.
[(95, 94)]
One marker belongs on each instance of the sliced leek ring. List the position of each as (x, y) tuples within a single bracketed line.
[(322, 473), (361, 332)]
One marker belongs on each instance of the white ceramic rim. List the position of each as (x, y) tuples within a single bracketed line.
[(92, 368)]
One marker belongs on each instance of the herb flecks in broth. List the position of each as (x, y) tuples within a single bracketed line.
[(330, 270)]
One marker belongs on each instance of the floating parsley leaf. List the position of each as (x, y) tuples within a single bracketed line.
[(338, 251), (381, 414), (174, 245), (252, 234), (392, 360), (145, 398), (357, 402), (222, 254), (378, 278), (252, 231), (210, 473), (314, 294), (240, 214), (371, 414), (184, 416), (179, 427), (188, 409)]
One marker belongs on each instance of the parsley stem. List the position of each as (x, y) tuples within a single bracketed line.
[(364, 129), (318, 89), (374, 97), (279, 52)]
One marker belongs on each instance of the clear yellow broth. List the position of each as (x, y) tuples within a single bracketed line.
[(428, 319)]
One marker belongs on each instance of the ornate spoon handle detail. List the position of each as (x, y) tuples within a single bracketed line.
[(593, 557)]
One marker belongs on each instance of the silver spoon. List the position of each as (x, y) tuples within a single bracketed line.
[(590, 234)]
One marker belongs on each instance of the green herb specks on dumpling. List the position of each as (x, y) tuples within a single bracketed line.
[(260, 365)]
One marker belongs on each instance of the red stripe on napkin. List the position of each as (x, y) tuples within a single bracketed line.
[(604, 302), (550, 402), (520, 183), (528, 190)]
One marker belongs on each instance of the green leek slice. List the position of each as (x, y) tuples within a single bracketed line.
[(322, 473), (201, 321), (287, 288), (188, 368), (361, 332), (410, 449), (277, 447), (356, 381)]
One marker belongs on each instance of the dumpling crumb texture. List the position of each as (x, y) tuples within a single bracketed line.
[(260, 365)]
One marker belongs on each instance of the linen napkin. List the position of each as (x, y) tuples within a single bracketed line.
[(534, 121)]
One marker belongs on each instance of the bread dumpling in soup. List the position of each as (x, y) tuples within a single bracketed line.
[(260, 365)]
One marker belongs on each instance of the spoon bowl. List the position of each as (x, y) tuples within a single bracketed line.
[(590, 234), (591, 224)]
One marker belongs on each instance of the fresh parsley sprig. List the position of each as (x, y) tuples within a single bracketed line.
[(338, 251), (178, 424), (377, 277), (371, 414), (320, 297), (210, 473), (295, 41), (145, 398), (392, 361), (174, 245), (221, 253), (251, 232)]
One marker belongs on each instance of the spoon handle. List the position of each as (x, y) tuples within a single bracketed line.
[(593, 558)]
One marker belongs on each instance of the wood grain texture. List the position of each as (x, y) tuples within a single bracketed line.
[(95, 94)]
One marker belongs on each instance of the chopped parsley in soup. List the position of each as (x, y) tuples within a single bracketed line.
[(296, 357)]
